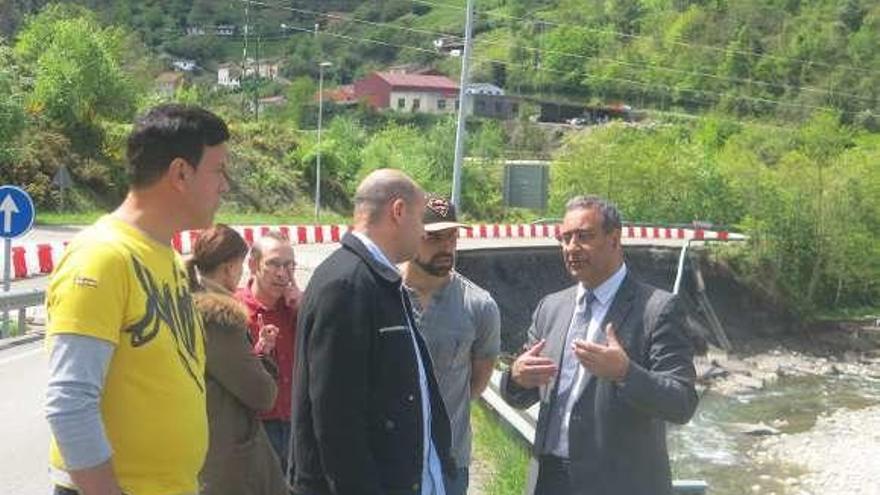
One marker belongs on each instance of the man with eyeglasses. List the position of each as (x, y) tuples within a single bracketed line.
[(609, 362), (272, 299), (461, 326)]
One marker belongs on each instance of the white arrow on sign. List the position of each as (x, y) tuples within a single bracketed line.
[(8, 208)]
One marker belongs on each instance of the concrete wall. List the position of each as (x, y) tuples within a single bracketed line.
[(428, 101), (492, 106), (374, 90)]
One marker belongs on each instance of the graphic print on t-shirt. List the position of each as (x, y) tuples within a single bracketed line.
[(174, 306)]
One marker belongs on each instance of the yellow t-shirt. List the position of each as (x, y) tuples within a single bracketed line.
[(116, 284)]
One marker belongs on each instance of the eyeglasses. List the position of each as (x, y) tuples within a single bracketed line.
[(279, 265), (580, 236)]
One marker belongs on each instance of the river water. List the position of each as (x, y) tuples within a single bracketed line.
[(713, 447)]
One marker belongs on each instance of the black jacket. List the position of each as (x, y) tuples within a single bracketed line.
[(617, 432), (357, 421)]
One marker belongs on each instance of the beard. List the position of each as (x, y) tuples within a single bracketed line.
[(438, 266)]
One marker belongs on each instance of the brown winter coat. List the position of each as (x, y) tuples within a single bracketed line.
[(240, 459)]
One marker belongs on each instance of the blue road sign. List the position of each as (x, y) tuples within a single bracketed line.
[(16, 212)]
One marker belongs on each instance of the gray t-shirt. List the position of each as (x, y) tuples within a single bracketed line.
[(461, 323)]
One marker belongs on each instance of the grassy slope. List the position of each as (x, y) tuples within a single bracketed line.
[(504, 455)]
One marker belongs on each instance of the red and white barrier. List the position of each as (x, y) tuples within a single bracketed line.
[(298, 234), (31, 259), (34, 258)]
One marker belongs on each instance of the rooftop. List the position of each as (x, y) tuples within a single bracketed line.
[(418, 81)]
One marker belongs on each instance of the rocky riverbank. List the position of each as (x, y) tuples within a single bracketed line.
[(837, 451), (840, 454), (830, 349)]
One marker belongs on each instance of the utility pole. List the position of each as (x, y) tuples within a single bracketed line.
[(257, 77), (244, 55), (462, 97), (321, 67)]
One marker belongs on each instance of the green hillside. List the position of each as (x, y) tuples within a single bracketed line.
[(781, 59)]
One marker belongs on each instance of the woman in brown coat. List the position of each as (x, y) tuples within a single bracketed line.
[(240, 460)]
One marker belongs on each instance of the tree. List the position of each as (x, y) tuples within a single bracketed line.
[(300, 98), (425, 157), (568, 54), (499, 74), (851, 15), (78, 70), (625, 15), (200, 48), (12, 119)]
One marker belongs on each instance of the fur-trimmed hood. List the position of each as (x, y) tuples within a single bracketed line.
[(221, 310), (240, 458)]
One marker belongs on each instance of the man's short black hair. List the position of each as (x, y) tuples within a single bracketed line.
[(610, 214), (167, 132)]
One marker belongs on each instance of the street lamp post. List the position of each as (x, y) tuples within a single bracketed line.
[(321, 67)]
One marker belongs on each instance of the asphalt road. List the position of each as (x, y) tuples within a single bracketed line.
[(24, 435)]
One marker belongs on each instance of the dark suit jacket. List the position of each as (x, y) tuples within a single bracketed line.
[(357, 420), (617, 433)]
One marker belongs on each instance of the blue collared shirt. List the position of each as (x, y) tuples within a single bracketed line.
[(432, 472)]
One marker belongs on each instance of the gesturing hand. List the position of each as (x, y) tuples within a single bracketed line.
[(607, 361), (531, 370), (268, 334)]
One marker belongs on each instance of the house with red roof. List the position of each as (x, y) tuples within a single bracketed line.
[(403, 92)]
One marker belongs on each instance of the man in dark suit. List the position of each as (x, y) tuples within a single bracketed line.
[(368, 418), (609, 362)]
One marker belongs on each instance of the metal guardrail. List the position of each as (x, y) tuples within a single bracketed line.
[(523, 422), (19, 301)]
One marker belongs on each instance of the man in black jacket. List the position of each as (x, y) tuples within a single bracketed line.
[(367, 415), (610, 364)]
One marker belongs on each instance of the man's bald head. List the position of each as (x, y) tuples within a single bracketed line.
[(388, 208), (379, 189)]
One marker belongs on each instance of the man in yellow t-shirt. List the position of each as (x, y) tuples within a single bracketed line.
[(126, 393)]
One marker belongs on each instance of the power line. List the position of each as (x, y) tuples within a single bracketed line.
[(669, 89), (749, 81), (690, 116), (757, 82), (652, 86), (650, 111), (350, 18), (369, 40), (642, 37)]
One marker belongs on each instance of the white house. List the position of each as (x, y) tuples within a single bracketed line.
[(229, 76), (415, 93), (224, 30), (184, 64)]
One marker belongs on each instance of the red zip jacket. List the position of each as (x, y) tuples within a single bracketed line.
[(283, 317)]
